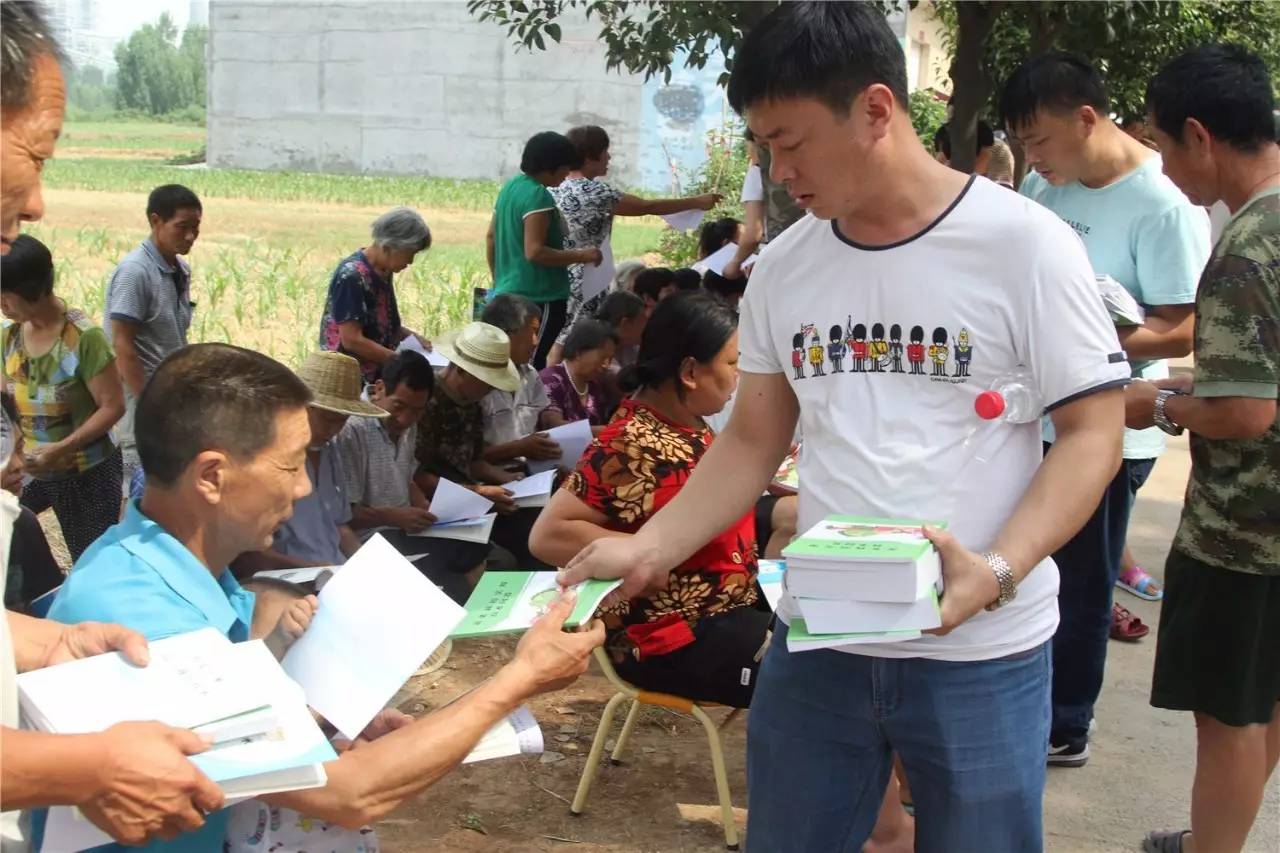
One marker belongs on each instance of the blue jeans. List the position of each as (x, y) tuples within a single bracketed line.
[(1089, 565), (824, 726)]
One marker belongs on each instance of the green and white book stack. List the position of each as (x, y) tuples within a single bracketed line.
[(862, 580)]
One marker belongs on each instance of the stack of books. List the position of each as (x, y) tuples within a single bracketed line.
[(862, 580)]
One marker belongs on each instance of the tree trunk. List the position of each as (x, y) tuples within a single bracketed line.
[(970, 85)]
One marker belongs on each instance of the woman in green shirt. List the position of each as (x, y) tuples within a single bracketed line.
[(525, 244), (63, 376)]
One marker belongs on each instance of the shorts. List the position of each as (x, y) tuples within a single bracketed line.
[(1218, 649)]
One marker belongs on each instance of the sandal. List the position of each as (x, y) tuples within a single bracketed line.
[(1137, 582), (1164, 841), (1125, 626)]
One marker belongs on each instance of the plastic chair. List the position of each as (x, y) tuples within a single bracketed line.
[(640, 697)]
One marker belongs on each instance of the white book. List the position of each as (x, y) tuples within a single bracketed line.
[(452, 502), (902, 583), (517, 734), (308, 574), (288, 757), (377, 622), (467, 530), (534, 490), (573, 440), (1125, 310), (799, 639), (770, 578), (194, 681), (833, 616)]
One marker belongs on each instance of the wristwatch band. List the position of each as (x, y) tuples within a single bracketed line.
[(1004, 575), (1161, 417)]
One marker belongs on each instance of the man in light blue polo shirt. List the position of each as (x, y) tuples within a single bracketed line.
[(148, 306), (223, 434), (1140, 229)]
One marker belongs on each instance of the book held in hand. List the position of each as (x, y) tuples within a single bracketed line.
[(509, 602)]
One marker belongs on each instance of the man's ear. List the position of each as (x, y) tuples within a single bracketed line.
[(208, 473)]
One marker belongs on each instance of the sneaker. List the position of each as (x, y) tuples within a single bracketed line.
[(1069, 754)]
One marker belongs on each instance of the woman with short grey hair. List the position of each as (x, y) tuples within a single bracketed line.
[(361, 317)]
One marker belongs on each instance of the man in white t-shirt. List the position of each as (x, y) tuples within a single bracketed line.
[(897, 238), (1141, 230)]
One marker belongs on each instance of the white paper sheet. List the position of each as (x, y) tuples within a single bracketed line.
[(685, 220), (468, 530), (536, 485), (716, 261), (452, 502), (573, 440), (377, 622), (596, 279), (306, 575), (518, 734), (435, 359)]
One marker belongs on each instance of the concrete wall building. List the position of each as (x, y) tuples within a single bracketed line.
[(423, 88)]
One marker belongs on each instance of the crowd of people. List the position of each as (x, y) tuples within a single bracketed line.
[(177, 470)]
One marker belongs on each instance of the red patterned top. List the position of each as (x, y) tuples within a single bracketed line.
[(633, 469)]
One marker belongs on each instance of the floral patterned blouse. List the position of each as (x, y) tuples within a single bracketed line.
[(358, 294), (564, 397), (633, 469)]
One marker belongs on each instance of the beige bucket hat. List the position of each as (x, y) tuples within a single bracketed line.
[(484, 351), (335, 383)]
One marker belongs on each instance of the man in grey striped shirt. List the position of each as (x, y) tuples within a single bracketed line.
[(149, 305)]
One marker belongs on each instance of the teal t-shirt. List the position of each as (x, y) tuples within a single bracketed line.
[(1143, 232), (513, 273)]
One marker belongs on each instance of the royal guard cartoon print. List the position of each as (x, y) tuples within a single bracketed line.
[(817, 354), (858, 347), (895, 348), (939, 351), (964, 353), (915, 351), (797, 355), (878, 349), (836, 349)]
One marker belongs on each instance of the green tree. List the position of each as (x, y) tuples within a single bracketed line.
[(157, 76), (927, 115)]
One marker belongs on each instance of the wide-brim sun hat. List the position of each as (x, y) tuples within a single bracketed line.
[(483, 351), (335, 383)]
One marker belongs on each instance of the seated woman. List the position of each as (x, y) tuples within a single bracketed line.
[(700, 637), (361, 316), (574, 385), (62, 372)]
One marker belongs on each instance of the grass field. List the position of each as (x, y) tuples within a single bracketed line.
[(269, 241)]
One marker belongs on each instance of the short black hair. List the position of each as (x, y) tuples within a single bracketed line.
[(650, 283), (618, 306), (942, 139), (1224, 87), (716, 233), (688, 325), (24, 37), (212, 396), (165, 201), (1056, 81), (687, 279), (587, 335), (27, 270), (724, 287), (549, 152), (828, 51), (411, 368), (590, 141)]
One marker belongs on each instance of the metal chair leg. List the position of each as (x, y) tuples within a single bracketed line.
[(625, 735), (722, 778), (593, 759)]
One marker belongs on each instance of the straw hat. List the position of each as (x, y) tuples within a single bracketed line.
[(335, 383), (484, 351)]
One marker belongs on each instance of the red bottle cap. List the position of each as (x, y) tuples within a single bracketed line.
[(989, 405)]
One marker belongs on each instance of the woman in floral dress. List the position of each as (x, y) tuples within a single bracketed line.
[(588, 205), (700, 637)]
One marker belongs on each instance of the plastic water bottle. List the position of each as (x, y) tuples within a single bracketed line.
[(1012, 398)]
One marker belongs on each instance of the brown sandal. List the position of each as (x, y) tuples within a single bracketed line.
[(1125, 626)]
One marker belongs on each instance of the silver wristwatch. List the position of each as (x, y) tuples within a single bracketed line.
[(1161, 418), (1004, 576)]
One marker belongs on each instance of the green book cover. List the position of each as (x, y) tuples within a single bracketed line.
[(508, 602), (798, 632), (855, 538)]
